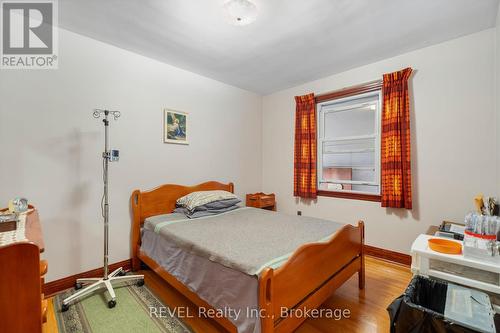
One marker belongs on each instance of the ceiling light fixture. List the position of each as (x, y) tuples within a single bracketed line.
[(240, 12)]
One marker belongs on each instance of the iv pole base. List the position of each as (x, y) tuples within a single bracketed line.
[(94, 284)]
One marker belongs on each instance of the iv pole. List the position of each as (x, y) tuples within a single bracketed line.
[(118, 275)]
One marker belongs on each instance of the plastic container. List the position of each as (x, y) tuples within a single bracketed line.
[(481, 237), (445, 246)]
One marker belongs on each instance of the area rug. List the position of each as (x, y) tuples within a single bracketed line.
[(131, 313)]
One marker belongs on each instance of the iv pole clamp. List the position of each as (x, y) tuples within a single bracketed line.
[(118, 275)]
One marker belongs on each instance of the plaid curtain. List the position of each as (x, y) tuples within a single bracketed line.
[(304, 171), (396, 156)]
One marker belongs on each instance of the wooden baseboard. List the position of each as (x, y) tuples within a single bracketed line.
[(397, 257), (56, 286)]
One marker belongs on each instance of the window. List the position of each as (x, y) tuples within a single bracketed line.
[(349, 146)]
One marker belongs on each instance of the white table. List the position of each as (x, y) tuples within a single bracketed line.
[(466, 271)]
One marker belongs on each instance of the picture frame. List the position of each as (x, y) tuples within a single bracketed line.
[(175, 127)]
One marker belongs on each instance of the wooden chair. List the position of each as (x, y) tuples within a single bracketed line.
[(22, 305)]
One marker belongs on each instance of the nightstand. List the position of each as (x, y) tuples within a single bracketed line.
[(262, 200)]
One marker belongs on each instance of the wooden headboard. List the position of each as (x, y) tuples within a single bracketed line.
[(161, 200)]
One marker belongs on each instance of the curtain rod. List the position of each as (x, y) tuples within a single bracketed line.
[(370, 84), (349, 91)]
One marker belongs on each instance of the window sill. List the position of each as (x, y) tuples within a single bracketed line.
[(349, 195)]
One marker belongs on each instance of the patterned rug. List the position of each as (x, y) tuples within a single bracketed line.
[(131, 313)]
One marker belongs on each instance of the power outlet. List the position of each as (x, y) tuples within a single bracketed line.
[(299, 213)]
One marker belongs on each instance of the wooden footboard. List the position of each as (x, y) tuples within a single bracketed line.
[(305, 281), (309, 277)]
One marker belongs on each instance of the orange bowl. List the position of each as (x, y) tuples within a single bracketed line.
[(445, 246)]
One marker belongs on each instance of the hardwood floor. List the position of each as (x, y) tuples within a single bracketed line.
[(51, 325), (384, 282)]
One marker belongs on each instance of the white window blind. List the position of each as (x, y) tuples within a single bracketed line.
[(349, 144)]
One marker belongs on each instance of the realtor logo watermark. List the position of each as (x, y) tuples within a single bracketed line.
[(29, 34)]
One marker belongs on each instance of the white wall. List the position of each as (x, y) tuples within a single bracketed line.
[(53, 146), (453, 129)]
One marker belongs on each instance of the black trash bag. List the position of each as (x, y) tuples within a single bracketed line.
[(421, 309)]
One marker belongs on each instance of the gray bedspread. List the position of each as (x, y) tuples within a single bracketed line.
[(245, 239), (221, 287)]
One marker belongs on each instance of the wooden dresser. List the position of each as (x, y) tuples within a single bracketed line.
[(22, 304)]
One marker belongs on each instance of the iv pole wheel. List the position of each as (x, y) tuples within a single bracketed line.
[(111, 304)]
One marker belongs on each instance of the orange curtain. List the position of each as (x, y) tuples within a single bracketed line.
[(396, 151), (304, 184)]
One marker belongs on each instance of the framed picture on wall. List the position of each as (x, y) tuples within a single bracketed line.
[(175, 127)]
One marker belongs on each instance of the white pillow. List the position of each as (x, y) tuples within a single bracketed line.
[(195, 199)]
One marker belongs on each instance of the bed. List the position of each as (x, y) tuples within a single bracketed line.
[(304, 279)]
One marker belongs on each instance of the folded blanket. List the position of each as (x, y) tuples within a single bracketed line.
[(204, 212), (220, 204)]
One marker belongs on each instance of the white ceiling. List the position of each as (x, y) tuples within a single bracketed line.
[(291, 42)]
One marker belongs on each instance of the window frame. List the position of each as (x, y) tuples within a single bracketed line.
[(367, 89)]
